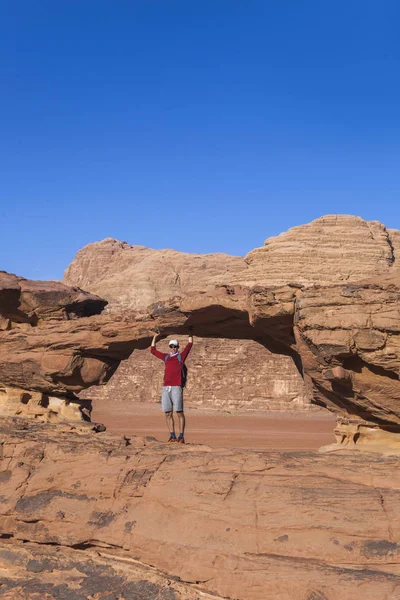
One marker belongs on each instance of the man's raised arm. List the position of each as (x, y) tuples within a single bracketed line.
[(188, 346), (154, 350)]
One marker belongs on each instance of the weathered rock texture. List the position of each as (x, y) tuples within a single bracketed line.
[(237, 524), (349, 341), (135, 276), (50, 348), (29, 571), (344, 338), (41, 406), (332, 249), (26, 302)]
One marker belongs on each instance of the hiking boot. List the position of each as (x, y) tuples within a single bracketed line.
[(181, 439), (172, 438)]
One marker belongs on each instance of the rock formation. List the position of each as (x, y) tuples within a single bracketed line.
[(348, 339), (135, 276), (31, 571), (332, 249), (50, 348), (240, 374), (342, 338), (86, 515)]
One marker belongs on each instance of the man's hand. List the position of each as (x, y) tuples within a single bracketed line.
[(190, 335), (154, 340)]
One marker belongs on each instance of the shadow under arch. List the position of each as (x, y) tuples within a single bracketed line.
[(218, 321)]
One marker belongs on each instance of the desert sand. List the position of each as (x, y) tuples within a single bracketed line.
[(269, 430)]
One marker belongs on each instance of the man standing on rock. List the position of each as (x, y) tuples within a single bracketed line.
[(172, 392)]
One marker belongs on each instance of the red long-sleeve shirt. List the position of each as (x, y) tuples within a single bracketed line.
[(173, 368)]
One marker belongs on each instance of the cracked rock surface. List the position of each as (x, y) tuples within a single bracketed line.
[(41, 572), (233, 524)]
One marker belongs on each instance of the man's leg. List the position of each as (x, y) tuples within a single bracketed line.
[(170, 423), (166, 405), (177, 401), (182, 422)]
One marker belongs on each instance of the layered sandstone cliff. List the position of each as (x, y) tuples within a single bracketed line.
[(229, 374), (332, 249)]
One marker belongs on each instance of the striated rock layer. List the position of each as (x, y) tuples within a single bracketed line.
[(233, 524), (332, 249), (135, 276), (344, 339)]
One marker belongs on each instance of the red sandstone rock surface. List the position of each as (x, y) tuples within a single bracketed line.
[(125, 517), (331, 249), (44, 572), (345, 337), (135, 276)]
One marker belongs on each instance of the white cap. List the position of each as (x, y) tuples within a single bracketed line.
[(173, 343)]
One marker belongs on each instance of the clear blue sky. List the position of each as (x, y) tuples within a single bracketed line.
[(205, 126)]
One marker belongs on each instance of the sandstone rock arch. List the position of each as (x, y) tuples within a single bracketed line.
[(344, 339)]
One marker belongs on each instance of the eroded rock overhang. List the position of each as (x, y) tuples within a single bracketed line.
[(345, 337)]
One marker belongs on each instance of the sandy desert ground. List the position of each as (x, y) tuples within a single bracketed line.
[(269, 430)]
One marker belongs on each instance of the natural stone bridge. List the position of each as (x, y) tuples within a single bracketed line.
[(344, 340)]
